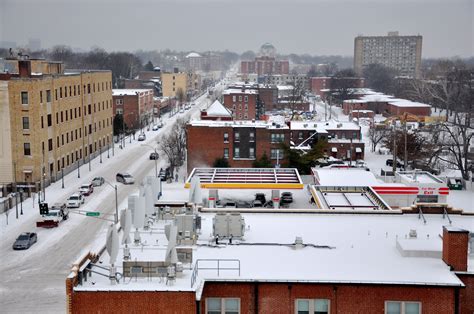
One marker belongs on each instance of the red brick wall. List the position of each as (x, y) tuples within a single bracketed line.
[(319, 83), (419, 111), (133, 302), (347, 107), (206, 144), (280, 298), (466, 295), (455, 249), (239, 112)]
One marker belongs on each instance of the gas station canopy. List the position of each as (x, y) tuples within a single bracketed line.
[(247, 178)]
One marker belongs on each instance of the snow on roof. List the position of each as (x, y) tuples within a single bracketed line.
[(419, 177), (238, 124), (323, 127), (336, 249), (217, 109), (379, 97), (239, 91), (193, 55), (407, 103), (285, 87), (345, 177), (128, 92)]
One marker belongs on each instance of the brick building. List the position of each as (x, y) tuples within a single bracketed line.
[(318, 273), (240, 142), (243, 103), (216, 111), (319, 84), (136, 106), (52, 119), (344, 138)]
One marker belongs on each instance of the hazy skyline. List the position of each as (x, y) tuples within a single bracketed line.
[(318, 27)]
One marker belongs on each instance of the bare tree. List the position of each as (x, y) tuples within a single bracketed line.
[(377, 133), (173, 144), (180, 95), (296, 96)]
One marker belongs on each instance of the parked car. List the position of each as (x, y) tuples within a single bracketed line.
[(141, 137), (159, 124), (261, 197), (154, 156), (286, 198), (389, 162), (155, 127), (86, 189), (125, 178), (98, 181), (25, 240), (257, 203), (75, 200)]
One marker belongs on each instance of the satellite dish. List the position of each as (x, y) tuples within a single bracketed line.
[(112, 243), (126, 223), (132, 201), (139, 217)]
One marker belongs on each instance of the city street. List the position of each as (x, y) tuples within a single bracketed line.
[(33, 280)]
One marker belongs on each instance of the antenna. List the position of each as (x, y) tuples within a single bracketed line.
[(112, 246)]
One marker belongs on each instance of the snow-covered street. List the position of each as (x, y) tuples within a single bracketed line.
[(32, 281)]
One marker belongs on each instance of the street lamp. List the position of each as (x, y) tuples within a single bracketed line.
[(116, 200), (156, 162)]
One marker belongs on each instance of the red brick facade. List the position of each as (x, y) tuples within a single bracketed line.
[(455, 248), (243, 105), (137, 109), (265, 66)]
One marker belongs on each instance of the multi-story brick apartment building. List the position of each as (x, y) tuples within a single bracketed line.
[(52, 119), (319, 84), (188, 82), (375, 264), (344, 138), (243, 103), (136, 106), (240, 142), (402, 53), (265, 66)]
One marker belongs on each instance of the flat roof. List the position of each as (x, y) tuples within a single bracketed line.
[(247, 178), (129, 92), (419, 177), (344, 177), (239, 124), (353, 249)]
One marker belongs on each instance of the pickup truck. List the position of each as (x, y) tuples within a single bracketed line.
[(56, 214)]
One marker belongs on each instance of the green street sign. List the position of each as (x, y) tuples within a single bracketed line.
[(93, 214)]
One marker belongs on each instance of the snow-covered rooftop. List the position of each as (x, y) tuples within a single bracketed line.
[(217, 109), (344, 177), (407, 103), (238, 124), (240, 91), (129, 92), (193, 55), (336, 249), (323, 127)]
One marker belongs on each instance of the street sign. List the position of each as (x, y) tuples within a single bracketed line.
[(93, 214)]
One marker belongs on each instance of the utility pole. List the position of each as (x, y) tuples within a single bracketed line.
[(62, 178), (405, 164), (43, 174), (100, 151), (394, 150), (16, 199), (78, 171)]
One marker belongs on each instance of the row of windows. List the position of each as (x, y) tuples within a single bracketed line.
[(246, 98), (307, 306), (275, 153), (240, 116), (66, 91)]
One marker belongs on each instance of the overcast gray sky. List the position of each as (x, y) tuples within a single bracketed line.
[(319, 27)]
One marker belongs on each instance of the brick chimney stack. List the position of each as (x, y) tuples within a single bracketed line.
[(455, 247), (24, 68)]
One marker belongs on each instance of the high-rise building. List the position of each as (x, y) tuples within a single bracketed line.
[(51, 120), (402, 53)]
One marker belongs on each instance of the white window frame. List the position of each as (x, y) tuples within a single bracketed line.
[(27, 97), (222, 301), (234, 98), (246, 98), (251, 137), (402, 305), (226, 137), (312, 304), (236, 152), (226, 156), (252, 152)]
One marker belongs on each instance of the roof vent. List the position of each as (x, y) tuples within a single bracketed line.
[(298, 242), (412, 234)]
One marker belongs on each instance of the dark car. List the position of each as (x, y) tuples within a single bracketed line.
[(25, 240), (260, 197), (154, 156), (389, 162), (125, 178), (286, 198)]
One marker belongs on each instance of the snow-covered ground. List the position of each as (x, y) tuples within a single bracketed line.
[(32, 281)]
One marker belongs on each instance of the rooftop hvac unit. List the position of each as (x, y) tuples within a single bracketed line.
[(186, 225), (226, 225)]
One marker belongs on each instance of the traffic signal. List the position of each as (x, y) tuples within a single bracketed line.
[(44, 210)]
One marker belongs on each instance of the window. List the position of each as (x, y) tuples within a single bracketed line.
[(50, 144), (401, 307), (60, 92), (26, 149), (41, 96), (119, 111), (252, 137), (50, 120), (24, 98), (234, 98), (26, 123), (236, 137), (226, 153), (42, 122), (300, 135), (226, 137), (251, 152), (316, 306), (48, 95), (246, 98), (119, 101), (222, 306), (277, 153), (236, 152), (240, 97), (277, 138)]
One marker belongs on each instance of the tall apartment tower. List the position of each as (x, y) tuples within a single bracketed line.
[(51, 120), (402, 53)]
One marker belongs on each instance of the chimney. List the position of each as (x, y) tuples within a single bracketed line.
[(24, 68), (455, 247)]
